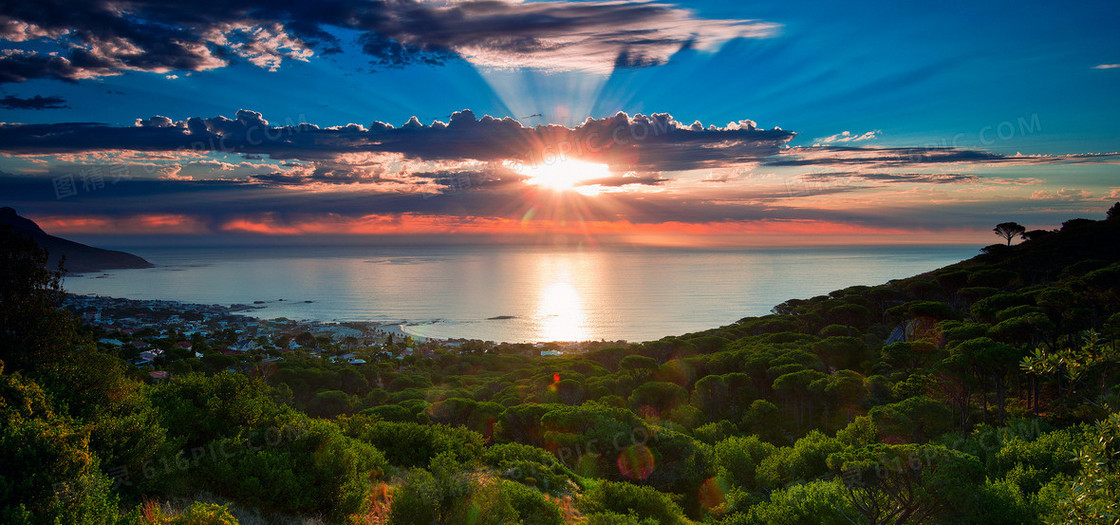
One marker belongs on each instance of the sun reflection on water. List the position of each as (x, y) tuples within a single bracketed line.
[(561, 313)]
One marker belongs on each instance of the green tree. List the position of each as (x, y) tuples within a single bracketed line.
[(1009, 230), (901, 484), (35, 333), (626, 498), (414, 444), (522, 423), (1076, 366), (49, 475), (765, 420), (430, 496), (913, 420), (794, 387), (722, 397), (659, 395), (804, 461), (842, 393), (990, 362), (736, 459), (1094, 496), (329, 403), (820, 502)]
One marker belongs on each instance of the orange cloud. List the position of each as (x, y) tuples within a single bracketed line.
[(759, 232), (131, 225)]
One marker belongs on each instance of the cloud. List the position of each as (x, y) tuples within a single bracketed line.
[(36, 102), (872, 158), (247, 173), (624, 180), (596, 36), (96, 39), (484, 198), (639, 143), (928, 178), (847, 136), (1071, 194), (486, 206), (1106, 66)]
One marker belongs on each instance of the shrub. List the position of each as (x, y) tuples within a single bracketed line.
[(712, 433), (804, 461), (529, 465), (415, 444), (624, 498), (821, 502), (913, 420), (204, 514), (737, 458), (531, 506), (304, 467)]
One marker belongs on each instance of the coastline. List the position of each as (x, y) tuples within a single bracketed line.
[(400, 331)]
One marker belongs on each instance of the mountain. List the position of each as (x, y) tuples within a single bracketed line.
[(80, 258)]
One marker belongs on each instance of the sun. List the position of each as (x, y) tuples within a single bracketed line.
[(565, 175)]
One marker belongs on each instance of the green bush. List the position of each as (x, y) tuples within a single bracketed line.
[(204, 514), (626, 498), (416, 500), (531, 506), (414, 444), (712, 433), (448, 493), (737, 458), (613, 518), (529, 465), (819, 502), (395, 413), (916, 419), (48, 473), (329, 403), (804, 461), (303, 467)]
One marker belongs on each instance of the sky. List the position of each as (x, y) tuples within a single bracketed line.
[(703, 123)]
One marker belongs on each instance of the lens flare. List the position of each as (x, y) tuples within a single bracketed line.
[(636, 462), (712, 493)]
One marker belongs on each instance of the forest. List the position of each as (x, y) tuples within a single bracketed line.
[(982, 392)]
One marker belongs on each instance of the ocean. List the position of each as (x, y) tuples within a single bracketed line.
[(509, 293)]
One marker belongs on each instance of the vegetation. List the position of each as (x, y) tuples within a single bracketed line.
[(983, 392), (1009, 231)]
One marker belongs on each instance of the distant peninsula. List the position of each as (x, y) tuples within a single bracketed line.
[(80, 258)]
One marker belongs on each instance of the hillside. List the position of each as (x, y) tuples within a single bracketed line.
[(80, 258), (984, 392)]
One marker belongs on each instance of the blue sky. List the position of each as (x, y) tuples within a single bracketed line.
[(1034, 79)]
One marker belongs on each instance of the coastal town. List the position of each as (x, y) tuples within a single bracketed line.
[(165, 337)]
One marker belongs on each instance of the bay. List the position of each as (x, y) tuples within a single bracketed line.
[(512, 293)]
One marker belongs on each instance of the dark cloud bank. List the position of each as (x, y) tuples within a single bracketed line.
[(36, 102), (108, 37), (640, 143)]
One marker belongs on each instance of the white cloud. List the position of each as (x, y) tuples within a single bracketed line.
[(847, 136), (1063, 194)]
